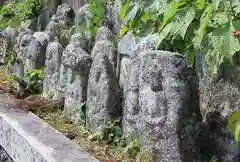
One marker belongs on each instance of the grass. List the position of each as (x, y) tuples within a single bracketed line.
[(53, 114)]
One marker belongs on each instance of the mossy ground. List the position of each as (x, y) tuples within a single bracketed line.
[(53, 114)]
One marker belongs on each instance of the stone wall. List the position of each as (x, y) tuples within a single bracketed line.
[(154, 93), (26, 138)]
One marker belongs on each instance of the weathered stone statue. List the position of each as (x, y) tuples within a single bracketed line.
[(35, 55), (160, 102), (44, 38), (219, 100), (77, 41), (105, 44), (64, 15), (21, 47), (61, 22), (103, 102), (84, 16), (125, 50), (78, 62), (52, 71), (104, 33)]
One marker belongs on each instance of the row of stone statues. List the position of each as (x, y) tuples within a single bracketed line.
[(154, 93)]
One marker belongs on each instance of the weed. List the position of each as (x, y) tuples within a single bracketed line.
[(133, 148), (32, 82), (112, 133)]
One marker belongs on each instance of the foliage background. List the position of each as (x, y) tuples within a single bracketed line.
[(188, 27)]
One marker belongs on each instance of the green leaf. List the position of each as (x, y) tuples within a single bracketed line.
[(222, 45), (233, 121), (132, 14), (237, 132), (223, 41), (147, 28), (200, 4), (191, 56), (214, 159), (158, 6), (164, 33), (146, 17), (123, 31), (182, 21), (124, 9), (206, 17), (173, 9)]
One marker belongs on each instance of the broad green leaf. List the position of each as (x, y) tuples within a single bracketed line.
[(159, 6), (147, 28), (190, 55), (223, 45), (174, 8), (132, 14), (123, 31), (145, 17), (206, 17), (232, 122), (220, 18), (164, 33), (237, 132), (223, 41), (124, 9), (200, 4), (214, 159), (216, 3), (183, 20)]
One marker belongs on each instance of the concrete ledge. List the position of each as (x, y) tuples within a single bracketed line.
[(26, 138)]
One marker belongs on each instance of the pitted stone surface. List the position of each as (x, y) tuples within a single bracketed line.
[(80, 40), (145, 43), (157, 105), (44, 38), (78, 61), (35, 55), (107, 48), (127, 44), (103, 102), (84, 16), (64, 14), (104, 33), (52, 71), (53, 27), (222, 97)]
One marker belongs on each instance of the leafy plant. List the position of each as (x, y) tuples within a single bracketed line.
[(13, 12), (32, 82), (31, 9), (10, 58), (214, 159), (112, 133), (8, 10), (80, 114), (133, 148), (234, 126), (189, 26)]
